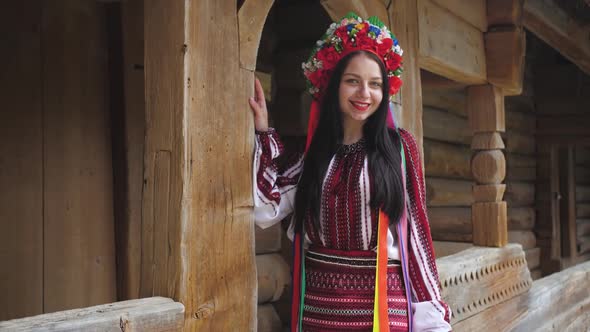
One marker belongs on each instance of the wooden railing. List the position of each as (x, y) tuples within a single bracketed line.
[(149, 314)]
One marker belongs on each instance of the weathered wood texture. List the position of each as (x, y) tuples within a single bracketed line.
[(519, 194), (129, 232), (443, 192), (505, 50), (446, 248), (274, 277), (21, 161), (450, 224), (487, 141), (521, 218), (534, 310), (197, 198), (479, 278), (473, 12), (150, 314), (449, 46), (533, 258), (79, 253), (554, 26), (489, 167), (251, 18), (268, 240), (520, 168), (489, 223), (447, 160), (443, 126), (526, 239), (452, 101), (485, 104), (268, 319), (504, 12), (403, 21)]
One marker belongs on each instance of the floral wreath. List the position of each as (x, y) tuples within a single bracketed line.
[(353, 34)]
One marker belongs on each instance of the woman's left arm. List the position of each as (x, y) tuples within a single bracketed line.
[(430, 312)]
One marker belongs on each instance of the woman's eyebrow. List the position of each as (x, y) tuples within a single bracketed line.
[(358, 76)]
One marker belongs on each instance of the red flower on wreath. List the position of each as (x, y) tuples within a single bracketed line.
[(395, 84), (393, 61), (328, 56)]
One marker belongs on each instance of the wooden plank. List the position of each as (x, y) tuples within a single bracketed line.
[(251, 18), (563, 33), (485, 104), (338, 8), (447, 160), (403, 21), (150, 314), (274, 277), (521, 218), (444, 192), (526, 239), (268, 319), (472, 12), (444, 126), (21, 162), (479, 278), (447, 248), (79, 248), (519, 194), (504, 12), (450, 224), (129, 233), (533, 258), (450, 101), (523, 122), (489, 224), (535, 310), (505, 51), (449, 46)]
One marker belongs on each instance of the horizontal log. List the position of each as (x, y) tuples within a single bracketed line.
[(522, 122), (447, 160), (535, 310), (273, 277), (582, 193), (521, 218), (268, 319), (454, 102), (583, 210), (526, 239), (444, 192), (449, 46), (519, 143), (583, 174), (444, 126), (520, 168), (450, 224), (536, 274), (584, 247), (447, 248), (533, 258), (480, 278), (519, 194), (432, 82), (268, 240), (148, 314)]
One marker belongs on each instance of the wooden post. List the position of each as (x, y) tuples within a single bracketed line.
[(198, 235), (489, 215)]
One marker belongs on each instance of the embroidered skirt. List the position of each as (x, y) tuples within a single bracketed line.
[(340, 291)]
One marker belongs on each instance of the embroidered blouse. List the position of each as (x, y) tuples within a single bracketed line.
[(347, 221)]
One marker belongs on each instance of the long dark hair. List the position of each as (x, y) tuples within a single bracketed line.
[(383, 151)]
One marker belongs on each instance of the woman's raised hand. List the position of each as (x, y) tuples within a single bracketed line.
[(258, 106)]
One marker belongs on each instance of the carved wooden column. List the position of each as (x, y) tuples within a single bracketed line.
[(486, 115)]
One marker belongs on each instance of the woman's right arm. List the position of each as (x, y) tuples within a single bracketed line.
[(274, 186)]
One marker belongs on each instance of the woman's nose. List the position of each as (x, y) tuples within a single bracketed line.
[(363, 90)]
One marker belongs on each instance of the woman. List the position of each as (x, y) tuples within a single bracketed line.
[(357, 194)]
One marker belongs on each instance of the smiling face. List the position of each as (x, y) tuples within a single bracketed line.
[(361, 89)]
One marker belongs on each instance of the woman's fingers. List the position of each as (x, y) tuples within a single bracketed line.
[(259, 92)]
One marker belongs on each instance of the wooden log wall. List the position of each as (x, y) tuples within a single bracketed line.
[(582, 201), (56, 199), (447, 162)]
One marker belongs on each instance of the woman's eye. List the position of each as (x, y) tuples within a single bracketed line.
[(352, 80), (376, 84)]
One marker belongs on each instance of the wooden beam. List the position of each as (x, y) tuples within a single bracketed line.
[(449, 46), (251, 18), (403, 21), (472, 12), (489, 223), (21, 148), (366, 8), (442, 126), (562, 32), (450, 223), (150, 314), (480, 278), (505, 51), (535, 310), (198, 235), (447, 160), (504, 12), (486, 108), (446, 192)]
